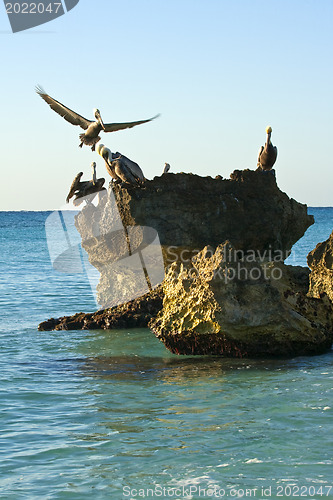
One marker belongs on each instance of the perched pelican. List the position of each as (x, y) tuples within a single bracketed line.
[(94, 177), (268, 153), (93, 128), (121, 168), (84, 188), (166, 168)]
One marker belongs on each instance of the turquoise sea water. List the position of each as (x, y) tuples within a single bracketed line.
[(113, 415)]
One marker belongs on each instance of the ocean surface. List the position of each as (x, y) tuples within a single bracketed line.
[(113, 415)]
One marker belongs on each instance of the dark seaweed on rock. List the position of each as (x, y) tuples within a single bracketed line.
[(134, 314)]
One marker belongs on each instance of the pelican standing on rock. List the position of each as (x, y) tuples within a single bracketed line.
[(94, 176), (268, 153), (93, 128), (121, 168), (84, 188)]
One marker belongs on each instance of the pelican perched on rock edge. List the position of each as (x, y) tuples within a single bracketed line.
[(93, 128), (94, 177), (268, 153), (120, 168), (166, 168), (84, 188)]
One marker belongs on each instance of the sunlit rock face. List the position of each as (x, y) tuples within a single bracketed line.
[(320, 261), (223, 305)]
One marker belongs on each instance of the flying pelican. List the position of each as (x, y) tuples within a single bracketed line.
[(93, 128), (121, 168), (267, 155), (84, 188), (166, 168)]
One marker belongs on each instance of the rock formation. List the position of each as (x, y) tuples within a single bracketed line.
[(320, 261), (235, 307), (180, 214), (221, 298)]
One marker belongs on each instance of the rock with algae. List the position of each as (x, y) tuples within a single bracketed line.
[(239, 307), (133, 314)]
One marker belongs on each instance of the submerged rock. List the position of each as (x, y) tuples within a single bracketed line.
[(134, 314), (320, 261), (226, 306)]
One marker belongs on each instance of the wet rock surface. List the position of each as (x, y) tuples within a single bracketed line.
[(134, 314)]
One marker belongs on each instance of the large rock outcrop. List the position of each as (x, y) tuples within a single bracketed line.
[(220, 298), (320, 261), (179, 214), (235, 307)]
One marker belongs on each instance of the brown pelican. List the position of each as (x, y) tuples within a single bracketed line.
[(121, 168), (94, 177), (93, 128), (268, 153), (166, 168), (84, 188)]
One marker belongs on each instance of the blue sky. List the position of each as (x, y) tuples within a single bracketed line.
[(218, 72)]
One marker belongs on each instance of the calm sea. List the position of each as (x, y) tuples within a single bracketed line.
[(113, 415)]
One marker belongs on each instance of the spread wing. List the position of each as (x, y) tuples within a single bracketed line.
[(259, 154), (112, 127), (74, 187), (68, 114)]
